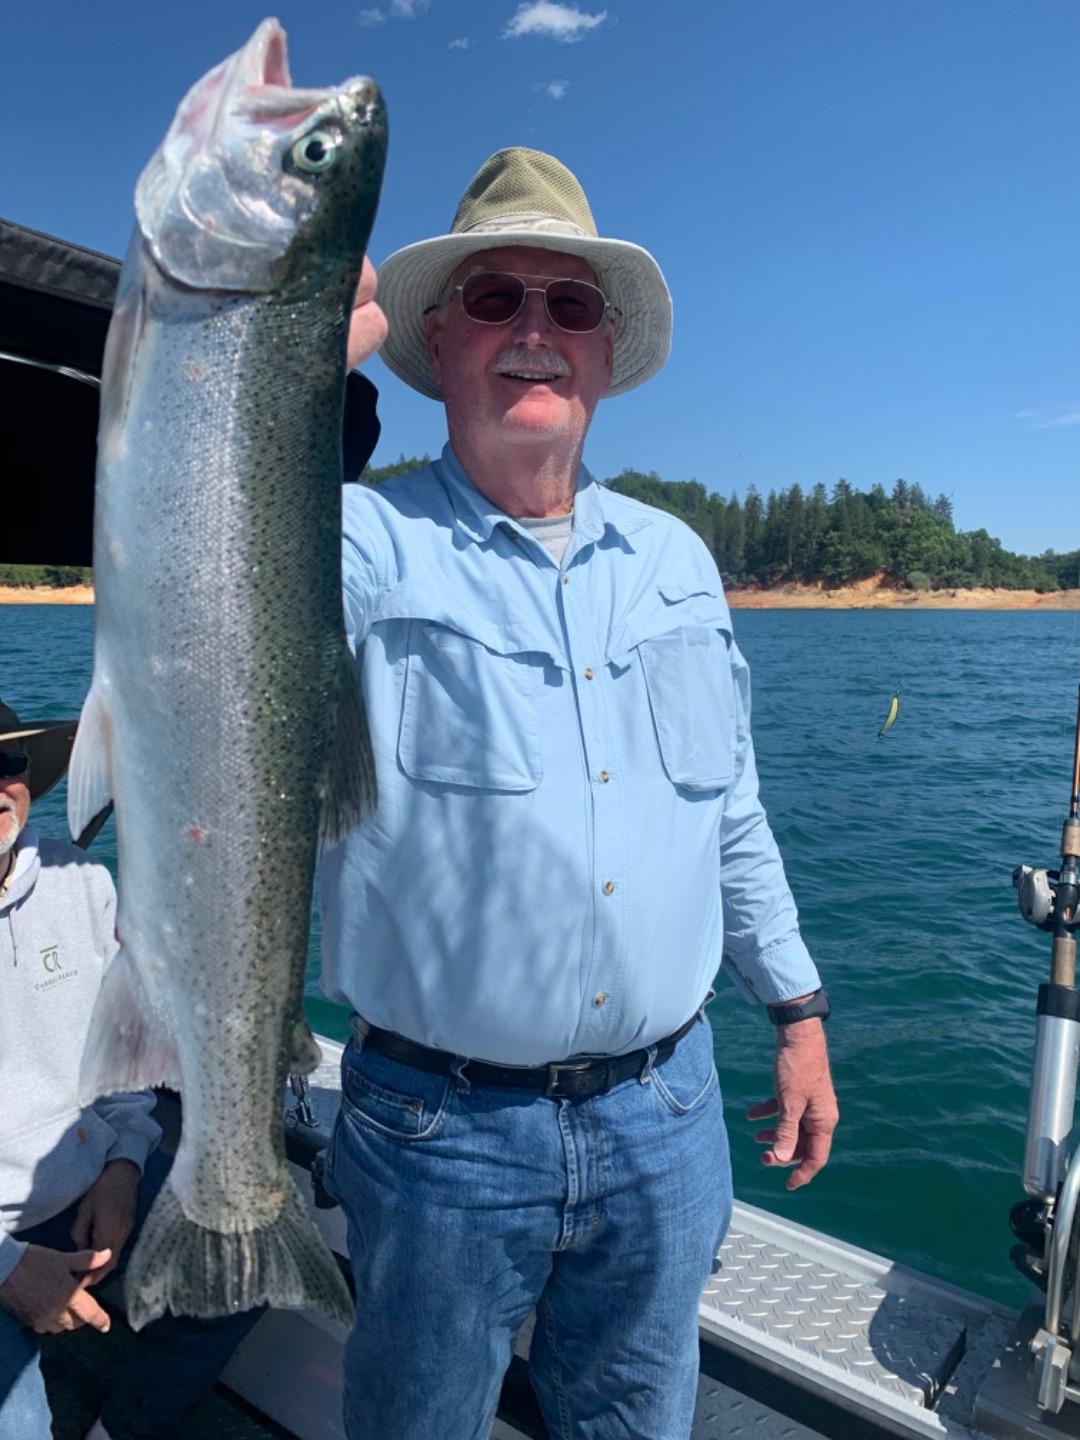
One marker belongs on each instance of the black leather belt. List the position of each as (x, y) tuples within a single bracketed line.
[(565, 1079)]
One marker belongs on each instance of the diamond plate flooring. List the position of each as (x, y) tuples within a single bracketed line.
[(832, 1320)]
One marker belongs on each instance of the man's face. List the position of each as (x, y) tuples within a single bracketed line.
[(14, 809), (526, 381)]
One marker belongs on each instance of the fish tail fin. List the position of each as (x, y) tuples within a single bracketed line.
[(180, 1266), (126, 1048), (90, 771), (348, 789)]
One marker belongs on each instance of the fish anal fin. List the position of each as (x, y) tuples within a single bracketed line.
[(126, 1047), (347, 792), (90, 771)]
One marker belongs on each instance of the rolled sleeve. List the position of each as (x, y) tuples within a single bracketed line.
[(763, 950), (130, 1116)]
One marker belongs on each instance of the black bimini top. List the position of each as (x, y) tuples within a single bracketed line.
[(55, 303)]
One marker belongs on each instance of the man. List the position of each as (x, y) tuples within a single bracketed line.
[(70, 1192), (568, 838)]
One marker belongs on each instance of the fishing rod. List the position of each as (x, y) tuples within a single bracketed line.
[(1044, 1223)]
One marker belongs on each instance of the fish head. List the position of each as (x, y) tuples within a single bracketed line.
[(260, 187)]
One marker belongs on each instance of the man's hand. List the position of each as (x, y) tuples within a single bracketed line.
[(367, 324), (805, 1103), (106, 1213), (47, 1292)]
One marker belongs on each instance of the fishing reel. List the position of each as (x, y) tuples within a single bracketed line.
[(1037, 897)]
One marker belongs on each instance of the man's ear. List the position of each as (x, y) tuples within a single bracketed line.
[(433, 326)]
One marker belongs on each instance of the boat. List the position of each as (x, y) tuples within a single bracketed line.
[(800, 1333)]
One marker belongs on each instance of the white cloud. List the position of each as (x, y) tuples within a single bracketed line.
[(393, 10), (555, 89), (558, 22), (1064, 417), (462, 44)]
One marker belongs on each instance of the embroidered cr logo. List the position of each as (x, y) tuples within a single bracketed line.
[(50, 958)]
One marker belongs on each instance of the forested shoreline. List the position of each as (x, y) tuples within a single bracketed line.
[(816, 537)]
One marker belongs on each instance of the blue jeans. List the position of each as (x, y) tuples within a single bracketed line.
[(468, 1204), (173, 1365)]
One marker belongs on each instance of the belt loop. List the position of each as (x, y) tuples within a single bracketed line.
[(360, 1028), (646, 1069), (457, 1069)]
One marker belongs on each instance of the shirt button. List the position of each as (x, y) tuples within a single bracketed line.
[(566, 579), (588, 674), (609, 887), (599, 998), (604, 776)]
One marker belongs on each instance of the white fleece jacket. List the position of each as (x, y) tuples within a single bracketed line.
[(57, 922)]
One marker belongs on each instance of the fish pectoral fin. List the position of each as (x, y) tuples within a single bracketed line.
[(90, 772), (304, 1053), (347, 791), (126, 1048), (180, 1266)]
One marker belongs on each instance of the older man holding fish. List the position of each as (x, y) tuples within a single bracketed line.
[(569, 840)]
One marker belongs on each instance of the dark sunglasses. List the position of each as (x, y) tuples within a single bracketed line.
[(13, 763), (494, 297)]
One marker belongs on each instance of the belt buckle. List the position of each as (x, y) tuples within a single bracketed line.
[(577, 1068)]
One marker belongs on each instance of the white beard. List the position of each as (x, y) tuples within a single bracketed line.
[(9, 829)]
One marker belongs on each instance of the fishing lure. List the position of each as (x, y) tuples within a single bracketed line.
[(890, 718)]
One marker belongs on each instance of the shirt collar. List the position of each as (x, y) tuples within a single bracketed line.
[(478, 517)]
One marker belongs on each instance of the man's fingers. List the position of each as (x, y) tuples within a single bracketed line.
[(86, 1311), (816, 1153), (763, 1109), (365, 289), (84, 1262), (787, 1134), (764, 1137)]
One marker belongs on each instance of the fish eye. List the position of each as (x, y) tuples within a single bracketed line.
[(316, 152)]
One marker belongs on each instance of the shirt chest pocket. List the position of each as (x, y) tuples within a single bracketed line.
[(683, 650), (469, 711)]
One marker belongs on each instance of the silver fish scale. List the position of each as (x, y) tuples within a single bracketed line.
[(839, 1321)]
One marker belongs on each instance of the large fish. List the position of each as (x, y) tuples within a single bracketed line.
[(224, 717)]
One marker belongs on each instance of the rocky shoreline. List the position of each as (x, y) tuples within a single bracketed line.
[(864, 595)]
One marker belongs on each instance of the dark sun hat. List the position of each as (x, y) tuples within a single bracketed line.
[(47, 742), (524, 197)]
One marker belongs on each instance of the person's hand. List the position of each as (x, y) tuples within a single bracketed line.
[(804, 1103), (47, 1292), (367, 324), (106, 1213)]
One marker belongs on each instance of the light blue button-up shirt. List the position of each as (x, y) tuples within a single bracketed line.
[(568, 837)]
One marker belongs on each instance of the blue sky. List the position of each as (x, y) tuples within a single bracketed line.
[(868, 213)]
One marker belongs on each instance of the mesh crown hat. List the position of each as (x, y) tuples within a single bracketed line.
[(47, 742), (524, 197)]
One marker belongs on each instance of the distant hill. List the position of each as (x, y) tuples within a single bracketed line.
[(792, 537)]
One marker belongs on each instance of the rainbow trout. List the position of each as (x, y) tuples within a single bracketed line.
[(224, 718)]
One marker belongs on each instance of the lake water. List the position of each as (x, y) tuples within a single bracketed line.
[(900, 853)]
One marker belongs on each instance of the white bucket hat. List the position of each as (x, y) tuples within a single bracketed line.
[(524, 197)]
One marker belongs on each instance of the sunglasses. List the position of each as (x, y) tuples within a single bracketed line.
[(495, 297), (13, 763)]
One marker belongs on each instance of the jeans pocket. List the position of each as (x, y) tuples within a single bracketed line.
[(390, 1098), (686, 1080)]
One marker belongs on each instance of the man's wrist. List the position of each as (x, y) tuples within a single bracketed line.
[(815, 1006)]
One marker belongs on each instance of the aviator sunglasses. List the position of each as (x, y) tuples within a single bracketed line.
[(13, 763), (494, 297)]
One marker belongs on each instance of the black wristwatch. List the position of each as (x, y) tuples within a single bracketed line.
[(816, 1007)]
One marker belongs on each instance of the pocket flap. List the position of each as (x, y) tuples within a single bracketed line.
[(677, 606), (501, 637)]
